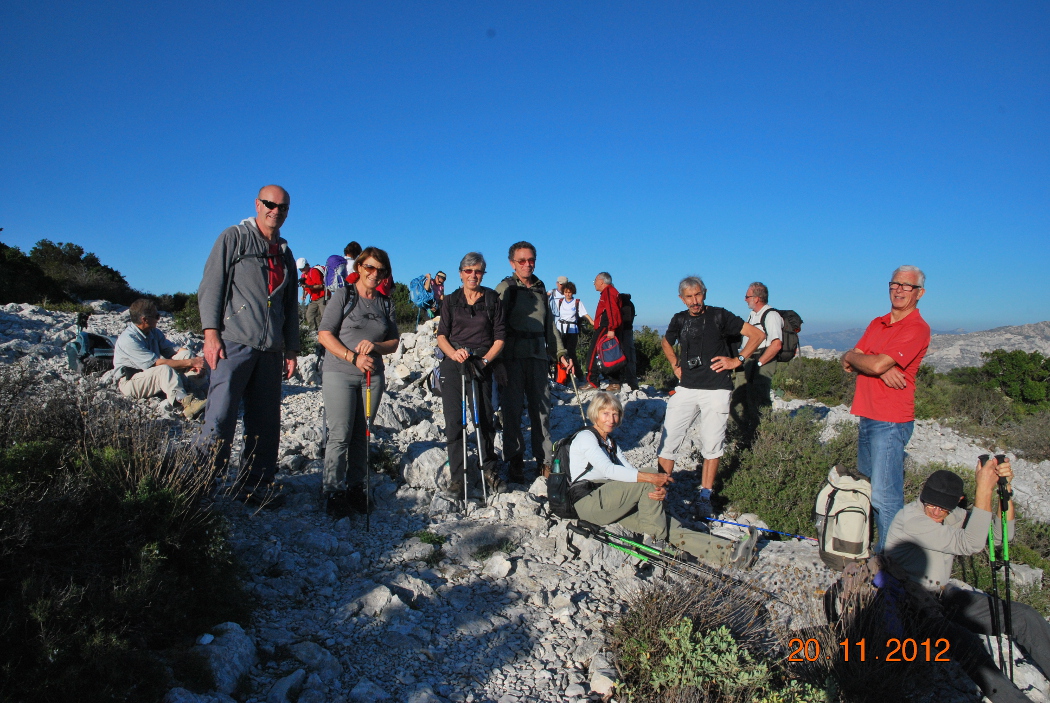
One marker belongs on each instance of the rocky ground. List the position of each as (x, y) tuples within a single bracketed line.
[(500, 611)]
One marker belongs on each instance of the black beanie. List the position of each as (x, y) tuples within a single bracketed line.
[(943, 489)]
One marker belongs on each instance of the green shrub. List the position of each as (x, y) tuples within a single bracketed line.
[(188, 319), (405, 312), (81, 275), (815, 379), (75, 308), (107, 553), (674, 644), (22, 281), (787, 459), (653, 366)]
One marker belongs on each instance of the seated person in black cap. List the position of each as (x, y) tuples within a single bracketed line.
[(924, 539)]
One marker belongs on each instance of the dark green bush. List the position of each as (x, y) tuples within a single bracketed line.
[(822, 380), (23, 281), (107, 553), (653, 366), (787, 459), (81, 275), (404, 311), (188, 319)]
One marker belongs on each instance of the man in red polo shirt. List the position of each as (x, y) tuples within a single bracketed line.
[(886, 361)]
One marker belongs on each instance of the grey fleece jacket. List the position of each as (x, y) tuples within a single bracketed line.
[(926, 548), (233, 294)]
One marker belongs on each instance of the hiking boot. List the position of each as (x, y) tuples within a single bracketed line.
[(516, 470), (745, 550), (494, 483), (703, 508), (454, 491), (336, 504), (192, 407), (613, 388), (358, 501), (266, 496)]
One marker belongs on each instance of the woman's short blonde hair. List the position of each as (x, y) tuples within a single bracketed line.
[(600, 402)]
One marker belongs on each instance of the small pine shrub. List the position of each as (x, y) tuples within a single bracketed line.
[(787, 458)]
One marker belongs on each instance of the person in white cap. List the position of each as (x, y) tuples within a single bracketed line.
[(555, 297)]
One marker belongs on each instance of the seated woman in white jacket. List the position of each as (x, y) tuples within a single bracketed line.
[(621, 494)]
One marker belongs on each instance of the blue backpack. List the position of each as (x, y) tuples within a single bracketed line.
[(420, 296), (335, 273)]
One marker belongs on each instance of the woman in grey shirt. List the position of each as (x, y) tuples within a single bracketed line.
[(357, 328)]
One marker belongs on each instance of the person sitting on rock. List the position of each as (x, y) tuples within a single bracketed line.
[(924, 539), (355, 341), (471, 334), (633, 498), (147, 363)]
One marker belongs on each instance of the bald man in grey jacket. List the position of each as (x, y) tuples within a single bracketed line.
[(250, 315)]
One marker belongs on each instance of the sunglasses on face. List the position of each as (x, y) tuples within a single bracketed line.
[(522, 262), (281, 207), (369, 269), (906, 287), (471, 272)]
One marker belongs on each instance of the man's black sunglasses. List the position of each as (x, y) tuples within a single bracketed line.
[(282, 207)]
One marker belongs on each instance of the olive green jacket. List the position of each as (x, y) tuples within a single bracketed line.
[(531, 332)]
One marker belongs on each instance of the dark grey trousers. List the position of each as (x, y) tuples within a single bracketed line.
[(970, 612), (255, 377)]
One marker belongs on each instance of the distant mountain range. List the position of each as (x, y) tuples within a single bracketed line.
[(948, 350)]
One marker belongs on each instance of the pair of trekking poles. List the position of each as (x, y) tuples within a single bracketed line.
[(474, 373), (1003, 562)]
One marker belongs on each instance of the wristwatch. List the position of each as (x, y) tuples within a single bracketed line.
[(759, 364), (740, 358)]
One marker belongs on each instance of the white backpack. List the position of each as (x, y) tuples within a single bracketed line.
[(843, 517)]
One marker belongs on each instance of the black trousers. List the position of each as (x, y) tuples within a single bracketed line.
[(452, 405)]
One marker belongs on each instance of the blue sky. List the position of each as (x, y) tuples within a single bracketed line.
[(813, 146)]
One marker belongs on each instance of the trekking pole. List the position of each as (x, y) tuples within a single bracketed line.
[(578, 402), (993, 565), (477, 436), (368, 446), (669, 562), (1004, 501), (763, 529), (463, 403)]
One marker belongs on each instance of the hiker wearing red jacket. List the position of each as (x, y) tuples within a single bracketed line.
[(607, 320)]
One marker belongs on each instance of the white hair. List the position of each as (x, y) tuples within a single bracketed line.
[(911, 269)]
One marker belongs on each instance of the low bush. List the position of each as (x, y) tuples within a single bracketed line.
[(22, 280), (1030, 436), (653, 366), (685, 643), (815, 379), (107, 552), (188, 319), (787, 458)]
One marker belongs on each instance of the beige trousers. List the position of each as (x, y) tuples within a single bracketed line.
[(158, 379)]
